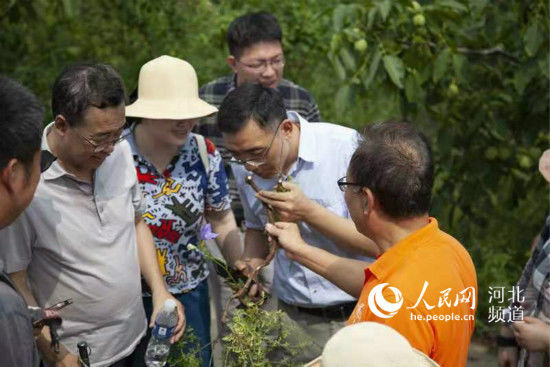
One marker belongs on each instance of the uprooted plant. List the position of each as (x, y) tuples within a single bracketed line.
[(253, 276), (256, 337)]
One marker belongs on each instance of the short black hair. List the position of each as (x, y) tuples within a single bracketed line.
[(80, 86), (394, 160), (21, 123), (264, 105), (252, 28)]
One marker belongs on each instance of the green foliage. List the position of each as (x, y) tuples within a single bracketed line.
[(257, 337), (41, 37), (186, 352), (474, 76)]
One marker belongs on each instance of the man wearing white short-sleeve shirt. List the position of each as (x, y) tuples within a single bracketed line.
[(82, 237)]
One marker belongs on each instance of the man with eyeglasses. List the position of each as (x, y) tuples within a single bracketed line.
[(272, 144), (21, 117), (256, 56), (424, 282), (83, 237)]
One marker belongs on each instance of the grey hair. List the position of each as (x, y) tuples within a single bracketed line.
[(80, 86)]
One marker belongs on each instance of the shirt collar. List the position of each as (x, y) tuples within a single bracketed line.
[(55, 170), (393, 258), (233, 83), (131, 140), (307, 150), (137, 155)]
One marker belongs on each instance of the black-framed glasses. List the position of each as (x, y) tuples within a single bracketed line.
[(46, 160), (254, 162), (342, 184), (260, 66), (104, 144)]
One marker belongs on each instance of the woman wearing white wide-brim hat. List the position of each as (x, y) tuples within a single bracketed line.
[(370, 344), (182, 177)]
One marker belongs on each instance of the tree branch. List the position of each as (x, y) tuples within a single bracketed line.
[(488, 52), (253, 276), (482, 52)]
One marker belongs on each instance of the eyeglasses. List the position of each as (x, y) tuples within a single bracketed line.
[(342, 183), (46, 160), (254, 162), (260, 66), (103, 144)]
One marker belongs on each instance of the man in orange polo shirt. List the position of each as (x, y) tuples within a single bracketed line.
[(424, 282)]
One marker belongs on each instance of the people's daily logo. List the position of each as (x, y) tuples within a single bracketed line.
[(382, 307), (386, 303)]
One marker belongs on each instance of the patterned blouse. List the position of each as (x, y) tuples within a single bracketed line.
[(176, 201)]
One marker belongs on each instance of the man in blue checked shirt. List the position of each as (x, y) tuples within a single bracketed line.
[(256, 56)]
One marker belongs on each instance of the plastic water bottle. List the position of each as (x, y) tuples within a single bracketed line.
[(159, 344)]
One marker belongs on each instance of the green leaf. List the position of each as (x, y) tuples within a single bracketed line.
[(500, 130), (343, 15), (445, 140), (340, 70), (522, 77), (338, 17), (335, 42), (441, 64), (372, 69), (73, 51), (352, 35), (342, 99), (384, 6), (532, 39), (70, 7), (348, 59), (370, 17), (544, 66), (520, 175), (477, 6), (455, 5), (493, 198), (459, 61), (413, 90), (395, 69)]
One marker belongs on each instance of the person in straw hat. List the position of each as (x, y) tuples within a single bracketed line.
[(370, 344), (182, 176)]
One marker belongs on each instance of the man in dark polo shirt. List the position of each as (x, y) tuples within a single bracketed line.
[(21, 117)]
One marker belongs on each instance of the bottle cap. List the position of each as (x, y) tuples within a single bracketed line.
[(170, 305)]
